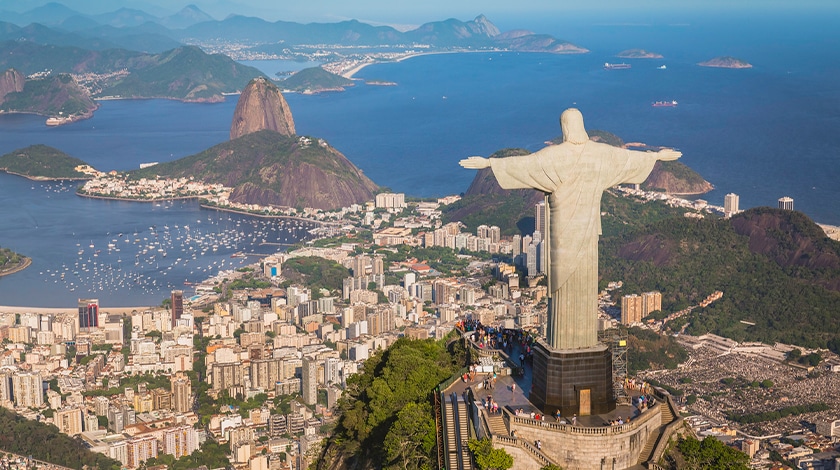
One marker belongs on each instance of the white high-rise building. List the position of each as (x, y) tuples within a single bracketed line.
[(180, 441), (730, 205), (28, 390)]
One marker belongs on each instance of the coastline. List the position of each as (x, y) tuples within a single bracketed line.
[(54, 310), (162, 199), (27, 261), (831, 231), (350, 73), (42, 178), (264, 216)]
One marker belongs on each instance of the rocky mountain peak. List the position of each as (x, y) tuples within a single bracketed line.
[(11, 81), (261, 106), (482, 26)]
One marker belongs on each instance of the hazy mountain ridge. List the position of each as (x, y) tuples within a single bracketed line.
[(191, 24), (185, 73)]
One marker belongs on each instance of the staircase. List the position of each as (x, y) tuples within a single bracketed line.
[(456, 431), (449, 434), (667, 418), (463, 433), (496, 423)]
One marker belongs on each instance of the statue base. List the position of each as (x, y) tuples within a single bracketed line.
[(574, 381)]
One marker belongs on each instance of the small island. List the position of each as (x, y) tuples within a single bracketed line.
[(726, 62), (315, 80), (42, 162), (638, 54), (11, 262)]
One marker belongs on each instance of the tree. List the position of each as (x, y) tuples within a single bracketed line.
[(489, 458), (410, 440), (794, 354), (710, 453)]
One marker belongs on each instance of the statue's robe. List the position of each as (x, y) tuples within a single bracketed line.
[(573, 177)]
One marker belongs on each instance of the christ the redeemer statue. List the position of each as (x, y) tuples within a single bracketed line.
[(573, 175)]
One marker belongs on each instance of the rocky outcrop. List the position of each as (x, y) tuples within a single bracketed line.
[(10, 82), (726, 62), (676, 178), (261, 106)]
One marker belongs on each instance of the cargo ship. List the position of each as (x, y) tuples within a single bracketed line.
[(664, 104), (609, 66)]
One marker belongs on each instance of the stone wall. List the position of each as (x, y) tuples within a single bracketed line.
[(585, 448)]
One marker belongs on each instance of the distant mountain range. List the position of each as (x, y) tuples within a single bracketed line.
[(185, 73), (132, 29)]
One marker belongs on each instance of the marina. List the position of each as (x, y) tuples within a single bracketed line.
[(138, 260)]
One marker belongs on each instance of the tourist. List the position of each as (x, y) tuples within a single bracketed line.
[(574, 420)]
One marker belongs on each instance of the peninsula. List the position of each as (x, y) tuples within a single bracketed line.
[(315, 80), (57, 96), (11, 262), (726, 62), (41, 162)]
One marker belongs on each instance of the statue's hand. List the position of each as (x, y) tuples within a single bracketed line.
[(667, 155), (475, 163)]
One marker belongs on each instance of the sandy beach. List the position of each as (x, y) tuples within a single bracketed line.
[(357, 68), (831, 231)]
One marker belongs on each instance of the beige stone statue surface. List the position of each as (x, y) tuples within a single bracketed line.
[(573, 175)]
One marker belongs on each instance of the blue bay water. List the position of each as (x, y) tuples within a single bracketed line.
[(762, 133)]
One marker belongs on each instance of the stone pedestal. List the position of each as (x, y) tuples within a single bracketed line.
[(566, 379)]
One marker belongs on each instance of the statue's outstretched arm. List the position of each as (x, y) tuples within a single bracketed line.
[(667, 155), (475, 163)]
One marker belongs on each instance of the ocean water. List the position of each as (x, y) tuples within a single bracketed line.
[(763, 133)]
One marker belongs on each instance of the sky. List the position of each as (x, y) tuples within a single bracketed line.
[(417, 12)]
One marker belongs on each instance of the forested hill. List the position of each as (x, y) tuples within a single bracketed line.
[(268, 168), (45, 442), (42, 162), (777, 269), (386, 410)]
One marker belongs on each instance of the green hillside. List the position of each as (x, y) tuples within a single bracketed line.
[(776, 270), (185, 73), (386, 412), (56, 95), (44, 442), (268, 168), (315, 79), (41, 161)]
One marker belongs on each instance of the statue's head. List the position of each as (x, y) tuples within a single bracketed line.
[(571, 121)]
